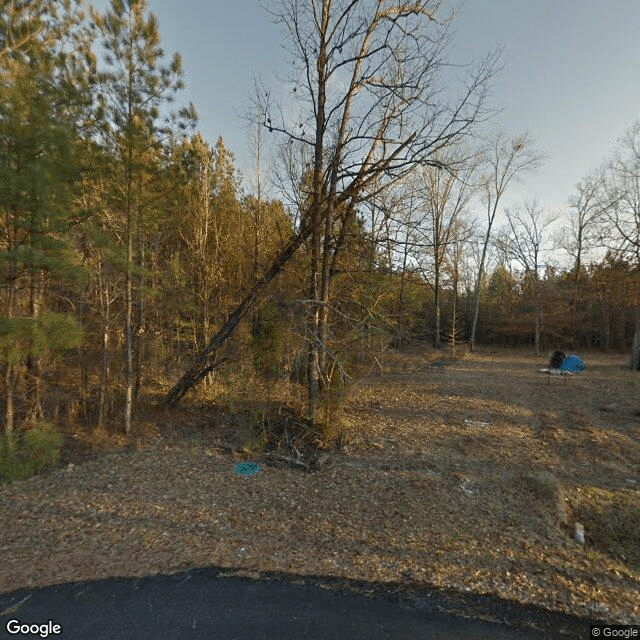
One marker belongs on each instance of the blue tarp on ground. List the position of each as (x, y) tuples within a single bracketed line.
[(247, 468), (572, 363)]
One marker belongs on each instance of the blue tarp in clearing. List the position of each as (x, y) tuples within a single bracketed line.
[(572, 363)]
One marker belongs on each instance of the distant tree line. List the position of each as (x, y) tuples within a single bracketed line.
[(134, 258)]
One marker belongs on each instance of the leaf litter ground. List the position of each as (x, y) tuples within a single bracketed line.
[(464, 474)]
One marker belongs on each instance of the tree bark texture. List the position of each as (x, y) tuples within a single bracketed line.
[(635, 350), (128, 407), (33, 361), (478, 292)]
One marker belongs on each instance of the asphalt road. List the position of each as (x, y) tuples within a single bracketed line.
[(214, 605)]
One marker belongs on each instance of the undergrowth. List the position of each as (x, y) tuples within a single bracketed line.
[(25, 453), (611, 523)]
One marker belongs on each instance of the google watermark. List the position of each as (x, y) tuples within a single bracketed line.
[(615, 631), (44, 630)]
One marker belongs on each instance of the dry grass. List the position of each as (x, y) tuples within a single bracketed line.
[(469, 476)]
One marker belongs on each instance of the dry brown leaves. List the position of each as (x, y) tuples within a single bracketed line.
[(462, 476)]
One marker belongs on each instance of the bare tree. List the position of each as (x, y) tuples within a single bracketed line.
[(624, 195), (588, 205), (401, 219), (365, 73), (444, 196), (257, 147), (524, 240), (367, 102), (461, 234), (587, 208), (507, 159), (623, 215)]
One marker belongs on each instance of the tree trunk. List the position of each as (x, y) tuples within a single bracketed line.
[(104, 368), (34, 384), (635, 350), (178, 339), (325, 283), (313, 327), (403, 279), (140, 320), (437, 342), (472, 337), (10, 373), (104, 376), (454, 311), (9, 417), (128, 407), (607, 328), (318, 205), (537, 328)]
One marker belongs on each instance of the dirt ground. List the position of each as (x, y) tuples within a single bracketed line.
[(467, 474)]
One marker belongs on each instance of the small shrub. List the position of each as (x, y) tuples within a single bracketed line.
[(267, 340), (611, 523), (250, 434), (548, 490), (333, 397), (542, 484), (336, 433), (27, 453)]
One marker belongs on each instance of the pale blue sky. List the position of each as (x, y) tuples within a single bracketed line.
[(571, 73)]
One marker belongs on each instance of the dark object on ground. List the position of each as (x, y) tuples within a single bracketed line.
[(212, 603), (556, 360)]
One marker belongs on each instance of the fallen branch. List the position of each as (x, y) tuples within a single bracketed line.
[(293, 461), (224, 446)]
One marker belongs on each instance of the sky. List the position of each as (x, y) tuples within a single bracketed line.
[(571, 74)]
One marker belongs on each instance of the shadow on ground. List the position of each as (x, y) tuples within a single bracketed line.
[(223, 604)]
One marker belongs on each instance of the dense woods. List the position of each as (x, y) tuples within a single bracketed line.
[(136, 261)]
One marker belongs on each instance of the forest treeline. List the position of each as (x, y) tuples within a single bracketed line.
[(135, 259)]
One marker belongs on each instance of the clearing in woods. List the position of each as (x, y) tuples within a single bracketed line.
[(467, 474)]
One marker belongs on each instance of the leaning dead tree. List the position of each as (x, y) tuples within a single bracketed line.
[(369, 100)]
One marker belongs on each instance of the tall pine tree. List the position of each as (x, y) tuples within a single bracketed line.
[(134, 88), (44, 53)]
